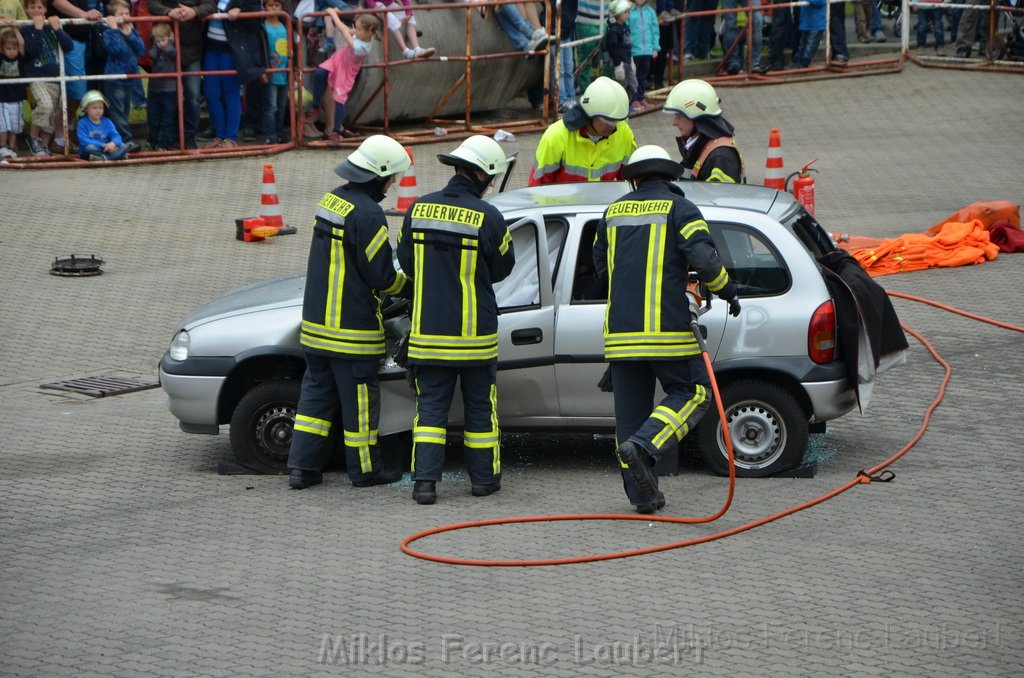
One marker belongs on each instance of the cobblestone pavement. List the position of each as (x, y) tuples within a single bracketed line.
[(123, 553)]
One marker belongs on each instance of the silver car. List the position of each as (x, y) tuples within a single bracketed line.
[(238, 360)]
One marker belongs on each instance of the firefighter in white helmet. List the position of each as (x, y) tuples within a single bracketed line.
[(705, 139), (350, 266), (647, 243), (592, 140), (455, 246)]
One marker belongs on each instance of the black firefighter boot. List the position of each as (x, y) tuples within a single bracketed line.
[(424, 491)]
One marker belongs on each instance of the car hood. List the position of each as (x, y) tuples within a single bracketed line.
[(261, 296)]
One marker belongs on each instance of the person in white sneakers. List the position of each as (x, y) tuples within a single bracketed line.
[(402, 25)]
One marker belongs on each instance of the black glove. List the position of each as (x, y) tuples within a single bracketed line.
[(734, 307), (606, 380)]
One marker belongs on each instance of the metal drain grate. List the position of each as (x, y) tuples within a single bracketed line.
[(76, 266), (100, 387)]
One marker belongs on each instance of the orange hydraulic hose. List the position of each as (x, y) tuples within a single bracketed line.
[(589, 516), (951, 309), (862, 477)]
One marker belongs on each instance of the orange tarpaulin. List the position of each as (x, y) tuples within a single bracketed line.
[(959, 240)]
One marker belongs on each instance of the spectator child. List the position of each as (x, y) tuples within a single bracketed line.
[(646, 38), (188, 14), (276, 83), (98, 139), (812, 22), (12, 10), (12, 49), (931, 14), (162, 107), (42, 40), (619, 46), (403, 22), (124, 47), (340, 70)]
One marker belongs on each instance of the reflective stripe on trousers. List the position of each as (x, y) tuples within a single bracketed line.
[(658, 429), (435, 387), (331, 386)]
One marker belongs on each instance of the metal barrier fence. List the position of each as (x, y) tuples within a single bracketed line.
[(677, 69)]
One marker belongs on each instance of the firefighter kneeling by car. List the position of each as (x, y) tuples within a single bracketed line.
[(350, 263), (647, 243), (455, 247)]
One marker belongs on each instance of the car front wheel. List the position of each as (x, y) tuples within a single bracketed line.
[(768, 428), (262, 423)]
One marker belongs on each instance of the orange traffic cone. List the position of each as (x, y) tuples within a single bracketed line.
[(270, 210), (407, 186), (774, 176)]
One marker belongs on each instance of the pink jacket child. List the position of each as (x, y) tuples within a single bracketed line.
[(339, 71)]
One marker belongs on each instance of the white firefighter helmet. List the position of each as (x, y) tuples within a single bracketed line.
[(605, 98), (91, 97), (617, 7), (693, 98), (651, 160), (379, 156), (477, 152)]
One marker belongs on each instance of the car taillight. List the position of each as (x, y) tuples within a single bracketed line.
[(821, 334)]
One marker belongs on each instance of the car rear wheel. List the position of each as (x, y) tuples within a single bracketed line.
[(768, 428), (262, 423)]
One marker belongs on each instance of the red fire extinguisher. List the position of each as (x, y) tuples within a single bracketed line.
[(803, 186)]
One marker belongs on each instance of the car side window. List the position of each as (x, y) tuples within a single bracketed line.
[(521, 289), (586, 287), (753, 264)]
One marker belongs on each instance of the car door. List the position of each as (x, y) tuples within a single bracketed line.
[(526, 326), (579, 340)]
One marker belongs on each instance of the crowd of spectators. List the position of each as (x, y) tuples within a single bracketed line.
[(248, 97)]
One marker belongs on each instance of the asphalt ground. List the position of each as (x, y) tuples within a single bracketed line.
[(124, 553)]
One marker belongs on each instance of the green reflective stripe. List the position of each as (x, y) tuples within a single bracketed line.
[(377, 242), (342, 333), (396, 286), (467, 278), (364, 437), (335, 283), (652, 295), (482, 440), (440, 340), (446, 218), (718, 175), (496, 454), (689, 229), (318, 427), (428, 434), (449, 355), (720, 281), (366, 349), (629, 220), (676, 422), (417, 279), (631, 349), (506, 242), (649, 337)]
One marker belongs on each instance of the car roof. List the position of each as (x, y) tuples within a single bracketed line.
[(598, 195)]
